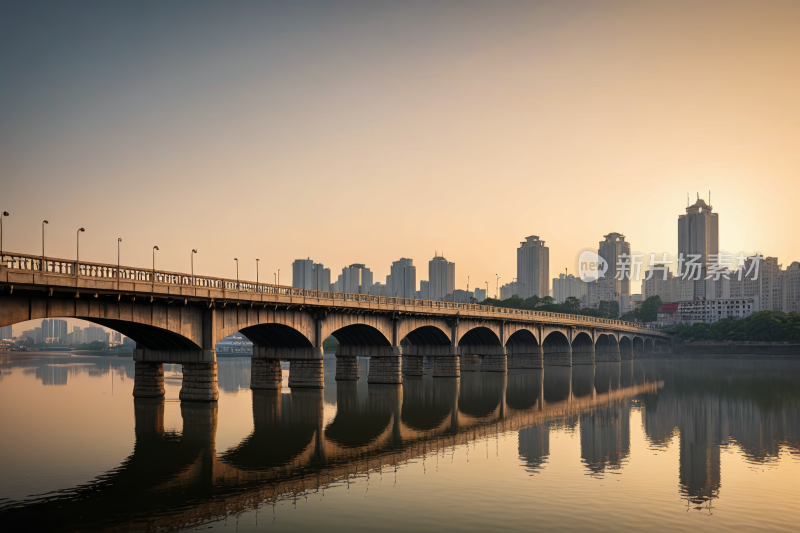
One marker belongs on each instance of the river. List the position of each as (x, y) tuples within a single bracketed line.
[(650, 444)]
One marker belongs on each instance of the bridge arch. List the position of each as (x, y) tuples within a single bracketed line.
[(648, 347), (625, 348), (606, 348), (426, 335), (522, 338), (638, 346), (479, 336), (582, 349), (557, 349)]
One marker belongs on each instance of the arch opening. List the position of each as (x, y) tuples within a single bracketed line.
[(360, 335), (479, 336), (522, 338), (275, 336), (425, 336)]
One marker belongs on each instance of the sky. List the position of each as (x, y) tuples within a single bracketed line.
[(363, 132)]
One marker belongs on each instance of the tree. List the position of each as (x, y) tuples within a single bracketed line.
[(649, 310)]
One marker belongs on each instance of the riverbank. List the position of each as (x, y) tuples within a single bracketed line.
[(736, 350)]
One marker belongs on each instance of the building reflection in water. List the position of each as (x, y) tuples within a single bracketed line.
[(173, 480)]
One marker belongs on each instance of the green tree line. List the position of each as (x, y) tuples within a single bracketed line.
[(770, 326), (572, 306)]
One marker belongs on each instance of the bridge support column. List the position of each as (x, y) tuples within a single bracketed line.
[(199, 383), (524, 357), (199, 371), (346, 363), (412, 365), (306, 374), (265, 374), (346, 368), (558, 356), (148, 380), (385, 365), (607, 353), (584, 355), (448, 364), (470, 362)]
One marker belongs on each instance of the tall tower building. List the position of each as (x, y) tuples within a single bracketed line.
[(321, 280), (533, 267), (698, 232), (403, 278), (611, 248), (441, 278), (302, 273)]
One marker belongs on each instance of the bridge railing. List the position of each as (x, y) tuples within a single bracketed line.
[(111, 272)]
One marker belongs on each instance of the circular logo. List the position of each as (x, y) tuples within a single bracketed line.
[(591, 266)]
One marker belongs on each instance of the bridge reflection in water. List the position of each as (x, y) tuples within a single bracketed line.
[(176, 480)]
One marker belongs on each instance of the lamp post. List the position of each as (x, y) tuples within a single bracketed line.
[(257, 290), (497, 287), (43, 223), (194, 251), (279, 277), (78, 253), (3, 215), (237, 273), (154, 263), (119, 242)]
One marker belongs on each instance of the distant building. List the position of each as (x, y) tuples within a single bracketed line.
[(355, 279), (666, 289), (667, 314), (424, 292), (567, 286), (460, 297), (5, 333), (515, 288), (612, 248), (321, 278), (698, 232), (29, 334), (402, 279), (302, 273), (533, 267), (441, 278), (790, 287), (479, 294), (705, 310)]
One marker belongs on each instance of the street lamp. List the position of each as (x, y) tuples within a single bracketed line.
[(237, 273), (43, 223), (279, 277), (154, 263), (257, 276), (78, 249), (194, 251), (119, 242), (2, 216)]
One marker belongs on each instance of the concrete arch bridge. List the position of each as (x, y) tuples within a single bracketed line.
[(179, 318)]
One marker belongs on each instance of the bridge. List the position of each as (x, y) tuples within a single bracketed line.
[(178, 318)]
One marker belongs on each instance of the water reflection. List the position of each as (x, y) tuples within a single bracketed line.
[(173, 480)]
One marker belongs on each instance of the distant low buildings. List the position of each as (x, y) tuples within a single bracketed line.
[(479, 294), (515, 288), (711, 310), (568, 286)]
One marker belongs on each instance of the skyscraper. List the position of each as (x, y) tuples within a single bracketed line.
[(321, 277), (403, 278), (302, 273), (533, 267), (355, 279), (698, 232), (611, 248), (441, 278)]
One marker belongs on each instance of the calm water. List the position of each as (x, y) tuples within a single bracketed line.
[(636, 445)]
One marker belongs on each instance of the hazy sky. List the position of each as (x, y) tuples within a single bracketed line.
[(365, 132)]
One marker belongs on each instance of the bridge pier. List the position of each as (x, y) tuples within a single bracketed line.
[(199, 372), (306, 373), (483, 358), (560, 355), (583, 355), (525, 357), (265, 374), (148, 380), (470, 362), (447, 364)]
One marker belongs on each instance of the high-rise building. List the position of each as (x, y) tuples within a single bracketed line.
[(566, 286), (303, 273), (5, 333), (441, 278), (424, 292), (533, 267), (29, 334), (321, 277), (658, 286), (355, 279), (790, 287), (403, 278), (613, 248), (698, 232)]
